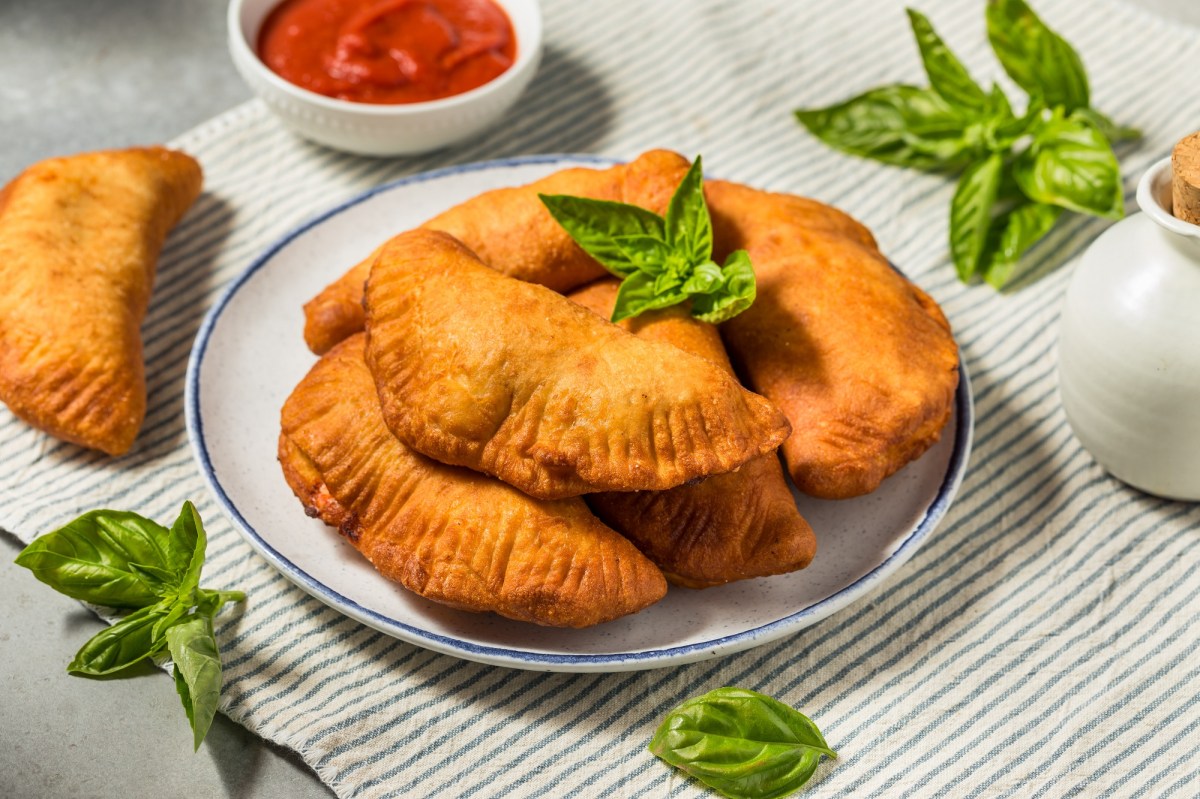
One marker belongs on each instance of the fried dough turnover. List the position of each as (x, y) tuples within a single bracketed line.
[(512, 232), (728, 527), (861, 360), (477, 369), (446, 533), (79, 241)]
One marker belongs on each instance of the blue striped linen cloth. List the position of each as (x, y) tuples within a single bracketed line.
[(1042, 643)]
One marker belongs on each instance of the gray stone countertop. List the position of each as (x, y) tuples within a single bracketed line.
[(78, 76)]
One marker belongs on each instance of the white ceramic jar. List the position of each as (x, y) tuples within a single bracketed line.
[(1129, 347)]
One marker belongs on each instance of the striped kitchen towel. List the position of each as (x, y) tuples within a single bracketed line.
[(1042, 643)]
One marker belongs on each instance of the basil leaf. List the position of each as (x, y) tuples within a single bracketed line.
[(1006, 130), (121, 559), (595, 224), (971, 213), (1070, 164), (993, 130), (178, 609), (947, 75), (1035, 57), (117, 647), (186, 546), (667, 282), (663, 262), (734, 294), (900, 125), (741, 743), (193, 648), (1111, 130), (996, 105), (1014, 232), (689, 228), (89, 558), (211, 602), (162, 582), (1009, 192), (705, 278), (647, 253), (185, 698), (637, 295)]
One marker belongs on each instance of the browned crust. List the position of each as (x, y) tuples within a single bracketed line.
[(308, 485), (79, 240), (449, 534), (337, 312)]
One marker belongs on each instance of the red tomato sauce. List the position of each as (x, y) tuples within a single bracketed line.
[(388, 51)]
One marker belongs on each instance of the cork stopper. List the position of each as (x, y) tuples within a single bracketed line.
[(1185, 179)]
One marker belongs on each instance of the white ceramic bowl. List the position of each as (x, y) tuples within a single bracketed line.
[(396, 129)]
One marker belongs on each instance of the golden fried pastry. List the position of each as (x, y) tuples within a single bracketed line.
[(79, 240), (337, 312), (509, 378), (729, 527), (512, 232), (860, 359), (446, 533)]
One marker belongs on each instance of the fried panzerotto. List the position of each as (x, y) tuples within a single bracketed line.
[(449, 534), (862, 361), (728, 527), (509, 378), (512, 232), (79, 241)]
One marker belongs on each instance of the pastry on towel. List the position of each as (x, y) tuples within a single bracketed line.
[(729, 527), (512, 232), (509, 378), (79, 241), (861, 360), (449, 534)]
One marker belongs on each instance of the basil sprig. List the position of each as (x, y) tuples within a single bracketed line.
[(662, 261), (1018, 173), (121, 560), (741, 743)]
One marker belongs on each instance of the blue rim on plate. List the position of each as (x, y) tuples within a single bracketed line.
[(651, 658)]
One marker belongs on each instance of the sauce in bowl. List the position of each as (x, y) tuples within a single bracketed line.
[(388, 51)]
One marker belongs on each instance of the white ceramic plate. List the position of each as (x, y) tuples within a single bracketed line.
[(249, 355)]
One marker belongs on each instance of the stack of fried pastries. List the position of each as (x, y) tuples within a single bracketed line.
[(497, 402), (451, 447)]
